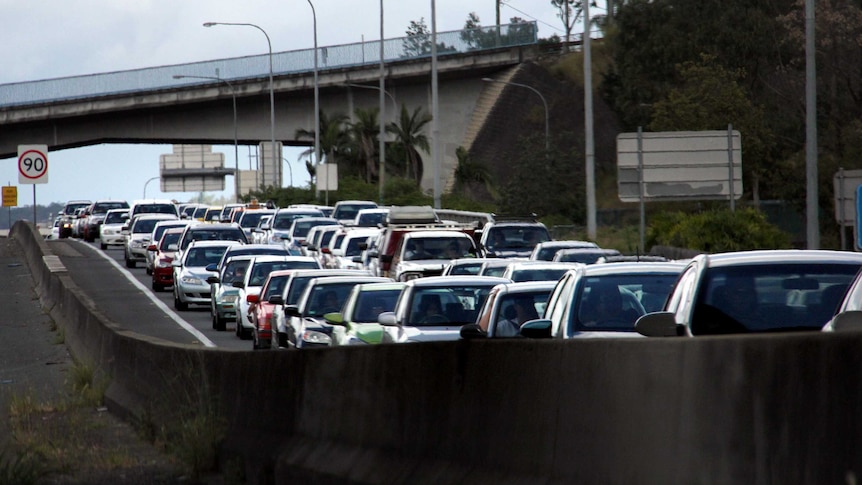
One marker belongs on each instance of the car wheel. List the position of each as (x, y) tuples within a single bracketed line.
[(238, 329), (179, 305), (157, 287), (255, 345), (103, 246), (129, 262)]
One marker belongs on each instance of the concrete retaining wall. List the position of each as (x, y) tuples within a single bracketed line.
[(763, 409)]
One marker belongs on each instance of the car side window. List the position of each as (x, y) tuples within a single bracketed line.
[(557, 303), (682, 298)]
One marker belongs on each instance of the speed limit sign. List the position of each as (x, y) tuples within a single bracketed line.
[(32, 164)]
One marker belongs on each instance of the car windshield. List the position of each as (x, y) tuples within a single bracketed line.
[(251, 219), (446, 248), (201, 257), (144, 225), (614, 302), (297, 286), (353, 246), (276, 285), (229, 234), (516, 237), (104, 207), (323, 299), (370, 304), (584, 256), (167, 239), (234, 271), (349, 211), (452, 305), (517, 308), (301, 228), (156, 209), (769, 297), (261, 269), (527, 274), (466, 268), (115, 218), (371, 219), (284, 221)]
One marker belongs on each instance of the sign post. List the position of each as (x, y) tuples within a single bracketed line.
[(10, 199), (33, 168)]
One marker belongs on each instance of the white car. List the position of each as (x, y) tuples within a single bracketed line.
[(349, 254), (255, 276), (138, 235), (283, 335), (190, 272), (427, 253), (435, 308), (508, 307), (521, 271), (111, 229)]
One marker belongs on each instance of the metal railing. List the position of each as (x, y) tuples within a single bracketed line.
[(257, 66)]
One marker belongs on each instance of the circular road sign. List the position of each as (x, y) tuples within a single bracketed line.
[(32, 164)]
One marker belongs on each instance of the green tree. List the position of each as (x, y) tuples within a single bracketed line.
[(409, 136), (418, 40), (469, 174), (551, 184), (334, 138), (364, 134)]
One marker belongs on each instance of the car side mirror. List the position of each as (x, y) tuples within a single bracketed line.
[(540, 328), (212, 280), (388, 319), (292, 310), (238, 284), (357, 259), (334, 318), (276, 300), (472, 331), (659, 324)]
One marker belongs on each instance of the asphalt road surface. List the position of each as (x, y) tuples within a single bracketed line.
[(125, 296)]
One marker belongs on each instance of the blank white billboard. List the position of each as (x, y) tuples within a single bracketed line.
[(680, 165)]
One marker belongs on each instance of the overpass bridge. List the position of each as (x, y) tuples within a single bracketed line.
[(150, 106)]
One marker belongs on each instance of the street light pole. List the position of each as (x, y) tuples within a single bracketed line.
[(276, 165), (435, 107), (544, 103), (236, 182), (317, 104), (148, 183), (381, 142), (290, 169)]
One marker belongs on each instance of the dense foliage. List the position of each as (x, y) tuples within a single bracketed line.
[(716, 231)]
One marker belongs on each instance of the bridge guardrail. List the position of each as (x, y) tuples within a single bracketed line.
[(256, 66)]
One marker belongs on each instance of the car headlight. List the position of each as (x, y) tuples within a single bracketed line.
[(411, 275), (317, 338), (230, 298), (192, 280)]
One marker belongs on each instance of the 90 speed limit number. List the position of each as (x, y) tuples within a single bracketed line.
[(32, 164)]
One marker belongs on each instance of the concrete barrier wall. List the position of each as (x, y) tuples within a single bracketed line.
[(759, 409)]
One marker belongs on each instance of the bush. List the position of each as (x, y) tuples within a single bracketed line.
[(716, 231)]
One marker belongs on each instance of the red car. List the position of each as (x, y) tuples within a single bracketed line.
[(165, 248), (261, 309)]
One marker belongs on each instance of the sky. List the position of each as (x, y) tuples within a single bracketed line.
[(56, 38)]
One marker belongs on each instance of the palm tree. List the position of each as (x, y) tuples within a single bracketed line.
[(470, 172), (364, 134), (408, 135), (333, 137)]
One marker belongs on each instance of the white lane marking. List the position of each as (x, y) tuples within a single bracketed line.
[(170, 313)]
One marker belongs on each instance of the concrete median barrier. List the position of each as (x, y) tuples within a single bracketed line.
[(741, 409)]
